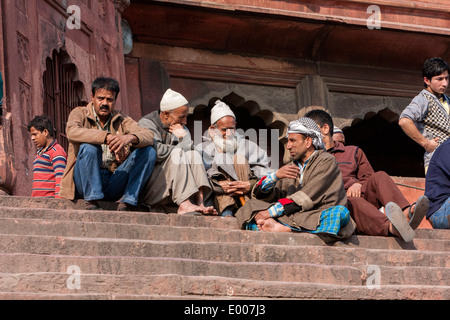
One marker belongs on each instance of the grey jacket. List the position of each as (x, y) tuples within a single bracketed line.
[(165, 142), (213, 160)]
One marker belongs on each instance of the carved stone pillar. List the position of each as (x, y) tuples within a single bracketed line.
[(312, 93)]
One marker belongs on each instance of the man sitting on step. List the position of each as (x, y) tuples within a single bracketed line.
[(179, 176), (368, 191), (233, 164), (110, 157), (306, 195)]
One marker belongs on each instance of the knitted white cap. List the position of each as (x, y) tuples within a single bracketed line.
[(337, 130), (172, 100), (220, 110)]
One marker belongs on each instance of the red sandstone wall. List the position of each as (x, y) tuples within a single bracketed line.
[(32, 29)]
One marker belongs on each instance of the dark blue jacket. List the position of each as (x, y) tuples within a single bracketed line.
[(437, 182)]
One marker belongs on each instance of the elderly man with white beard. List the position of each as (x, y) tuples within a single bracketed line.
[(233, 163)]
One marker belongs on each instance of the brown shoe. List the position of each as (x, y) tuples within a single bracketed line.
[(123, 206), (92, 205)]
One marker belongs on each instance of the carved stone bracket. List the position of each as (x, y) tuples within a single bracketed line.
[(121, 5)]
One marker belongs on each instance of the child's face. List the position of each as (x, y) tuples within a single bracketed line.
[(39, 138)]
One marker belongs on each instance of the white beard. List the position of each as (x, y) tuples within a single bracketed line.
[(226, 145)]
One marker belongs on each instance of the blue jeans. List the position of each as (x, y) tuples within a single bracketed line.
[(94, 183), (440, 219)]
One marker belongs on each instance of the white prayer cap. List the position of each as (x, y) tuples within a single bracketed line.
[(337, 130), (220, 110), (307, 127), (172, 100)]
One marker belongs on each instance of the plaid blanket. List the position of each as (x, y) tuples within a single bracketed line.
[(331, 221)]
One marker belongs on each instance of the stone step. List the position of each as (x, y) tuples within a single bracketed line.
[(147, 255), (186, 300), (220, 251), (67, 228), (146, 218), (49, 203), (295, 272), (208, 286), (269, 271), (73, 210)]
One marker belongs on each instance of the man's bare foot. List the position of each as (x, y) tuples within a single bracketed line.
[(187, 207), (260, 223), (394, 231), (208, 210), (274, 226)]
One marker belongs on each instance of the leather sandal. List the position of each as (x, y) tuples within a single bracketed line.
[(420, 210), (398, 220)]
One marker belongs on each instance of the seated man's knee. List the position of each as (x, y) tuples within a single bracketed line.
[(177, 156), (149, 153), (193, 157), (381, 175), (89, 150)]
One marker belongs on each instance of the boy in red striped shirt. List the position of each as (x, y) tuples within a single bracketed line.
[(50, 161)]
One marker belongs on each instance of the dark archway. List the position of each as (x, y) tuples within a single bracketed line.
[(385, 144)]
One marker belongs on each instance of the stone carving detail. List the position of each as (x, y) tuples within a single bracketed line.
[(102, 8), (24, 67)]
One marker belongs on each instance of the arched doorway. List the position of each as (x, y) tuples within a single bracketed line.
[(385, 144), (250, 119), (62, 92)]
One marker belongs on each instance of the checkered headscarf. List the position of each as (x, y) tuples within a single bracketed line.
[(307, 127)]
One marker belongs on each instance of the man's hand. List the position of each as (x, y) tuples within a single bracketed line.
[(122, 154), (235, 188), (430, 145), (409, 127), (117, 143), (177, 130), (354, 190), (288, 172)]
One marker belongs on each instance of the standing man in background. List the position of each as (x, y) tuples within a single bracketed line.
[(426, 119)]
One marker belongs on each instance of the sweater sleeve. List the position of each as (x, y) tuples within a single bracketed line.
[(163, 150), (416, 110), (59, 161), (365, 170), (145, 136)]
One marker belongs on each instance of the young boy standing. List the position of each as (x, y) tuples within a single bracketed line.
[(426, 119), (50, 161)]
